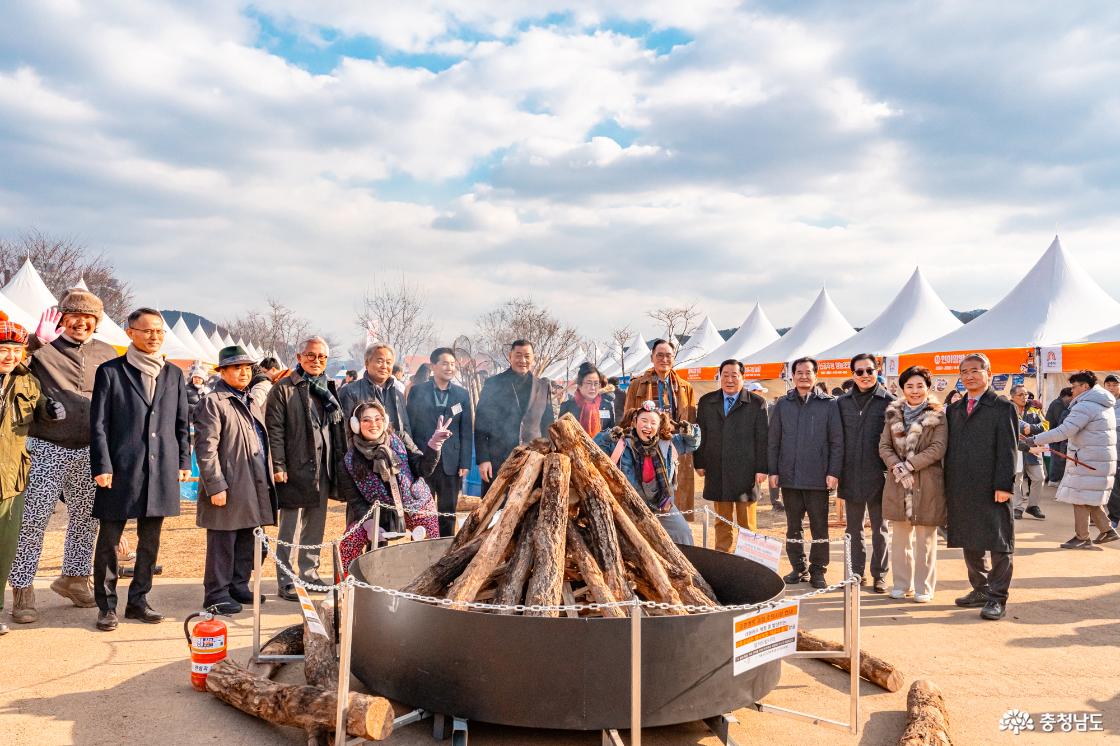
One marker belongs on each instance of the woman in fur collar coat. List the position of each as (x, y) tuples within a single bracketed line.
[(912, 446)]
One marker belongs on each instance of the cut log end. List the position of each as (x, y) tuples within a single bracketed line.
[(926, 715)]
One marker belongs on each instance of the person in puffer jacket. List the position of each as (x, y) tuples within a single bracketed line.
[(1090, 429)]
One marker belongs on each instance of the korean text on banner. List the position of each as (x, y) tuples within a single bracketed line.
[(309, 614), (764, 636), (765, 550)]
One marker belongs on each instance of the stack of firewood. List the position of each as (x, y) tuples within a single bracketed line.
[(561, 525)]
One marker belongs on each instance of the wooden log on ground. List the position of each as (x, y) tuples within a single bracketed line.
[(511, 588), (576, 548), (546, 584), (319, 666), (438, 576), (497, 539), (288, 641), (567, 436), (875, 670), (480, 518), (596, 501), (927, 718), (298, 706)]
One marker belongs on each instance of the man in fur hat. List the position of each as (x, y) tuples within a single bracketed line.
[(64, 358)]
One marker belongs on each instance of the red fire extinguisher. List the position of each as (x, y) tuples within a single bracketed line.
[(207, 642)]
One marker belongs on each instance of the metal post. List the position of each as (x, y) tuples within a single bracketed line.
[(852, 612), (705, 526), (346, 639), (258, 547), (376, 524), (636, 675), (336, 558)]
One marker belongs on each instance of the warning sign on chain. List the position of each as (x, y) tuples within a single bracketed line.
[(763, 549), (764, 636)]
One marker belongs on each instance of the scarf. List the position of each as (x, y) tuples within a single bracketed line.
[(653, 473), (149, 365), (318, 387), (589, 413), (911, 414)]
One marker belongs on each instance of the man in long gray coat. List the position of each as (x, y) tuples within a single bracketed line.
[(235, 481)]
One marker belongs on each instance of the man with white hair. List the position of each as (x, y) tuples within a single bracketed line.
[(304, 421), (379, 385)]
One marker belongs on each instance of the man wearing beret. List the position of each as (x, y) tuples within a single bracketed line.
[(139, 451), (21, 402), (235, 492), (64, 358)]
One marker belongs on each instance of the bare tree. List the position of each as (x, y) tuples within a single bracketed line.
[(470, 366), (522, 318), (396, 315), (677, 321), (619, 339), (62, 262), (275, 328)]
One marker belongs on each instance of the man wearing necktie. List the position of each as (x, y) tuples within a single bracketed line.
[(733, 461), (979, 479)]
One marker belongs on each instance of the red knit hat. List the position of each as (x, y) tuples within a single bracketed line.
[(12, 333)]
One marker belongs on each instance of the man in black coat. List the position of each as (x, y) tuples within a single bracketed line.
[(733, 451), (979, 479), (514, 407), (863, 414), (305, 433), (378, 384), (805, 459), (439, 398), (139, 452), (1055, 415)]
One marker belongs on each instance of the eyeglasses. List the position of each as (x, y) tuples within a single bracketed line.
[(864, 371), (372, 419), (148, 332), (313, 356)]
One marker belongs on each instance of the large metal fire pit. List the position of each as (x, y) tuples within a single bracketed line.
[(553, 672)]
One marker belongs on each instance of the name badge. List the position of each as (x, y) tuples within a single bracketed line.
[(457, 409), (604, 414)]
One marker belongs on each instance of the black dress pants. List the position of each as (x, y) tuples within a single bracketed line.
[(995, 581), (105, 571), (446, 489), (798, 503), (229, 565), (854, 514)]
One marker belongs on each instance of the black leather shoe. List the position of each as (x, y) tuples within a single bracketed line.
[(880, 585), (1018, 514), (288, 593), (1036, 512), (145, 614), (1076, 543), (245, 598), (795, 577), (777, 505), (1105, 537), (107, 621), (817, 580), (228, 608), (993, 611), (974, 599)]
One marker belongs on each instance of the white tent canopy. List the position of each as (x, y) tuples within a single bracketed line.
[(916, 315), (209, 354), (173, 347), (17, 314), (821, 327), (609, 363), (703, 340), (1055, 302), (183, 333), (109, 331), (1110, 334), (227, 341), (28, 291), (217, 342), (637, 359), (753, 334)]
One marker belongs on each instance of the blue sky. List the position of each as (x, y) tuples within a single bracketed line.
[(605, 158)]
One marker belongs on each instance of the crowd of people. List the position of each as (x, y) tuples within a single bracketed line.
[(113, 437)]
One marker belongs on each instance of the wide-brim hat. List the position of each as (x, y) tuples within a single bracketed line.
[(234, 355)]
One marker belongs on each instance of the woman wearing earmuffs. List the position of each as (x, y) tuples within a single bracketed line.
[(385, 467)]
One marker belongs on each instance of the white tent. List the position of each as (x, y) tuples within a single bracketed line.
[(637, 359), (703, 340), (1109, 334), (609, 364), (916, 315), (753, 334), (173, 347), (109, 331), (28, 291), (821, 327), (209, 354), (217, 341), (12, 310), (1055, 302), (227, 340), (183, 334)]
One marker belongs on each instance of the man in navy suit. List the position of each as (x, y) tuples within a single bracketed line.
[(427, 402), (139, 452)]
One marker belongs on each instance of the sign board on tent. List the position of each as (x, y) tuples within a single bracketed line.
[(1011, 360), (1092, 356), (1051, 359)]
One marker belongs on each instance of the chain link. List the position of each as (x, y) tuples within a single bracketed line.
[(709, 511)]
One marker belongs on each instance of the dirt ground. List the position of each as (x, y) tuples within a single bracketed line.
[(62, 682)]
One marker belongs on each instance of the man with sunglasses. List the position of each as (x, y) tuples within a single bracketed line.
[(863, 415), (304, 419)]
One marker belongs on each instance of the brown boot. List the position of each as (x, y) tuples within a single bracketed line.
[(77, 588), (23, 605)]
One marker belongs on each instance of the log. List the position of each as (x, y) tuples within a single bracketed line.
[(288, 641), (511, 588), (437, 577), (497, 539), (298, 706), (927, 719), (480, 517), (875, 670), (648, 563), (546, 584), (569, 599), (319, 666), (577, 549), (600, 523), (568, 436)]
